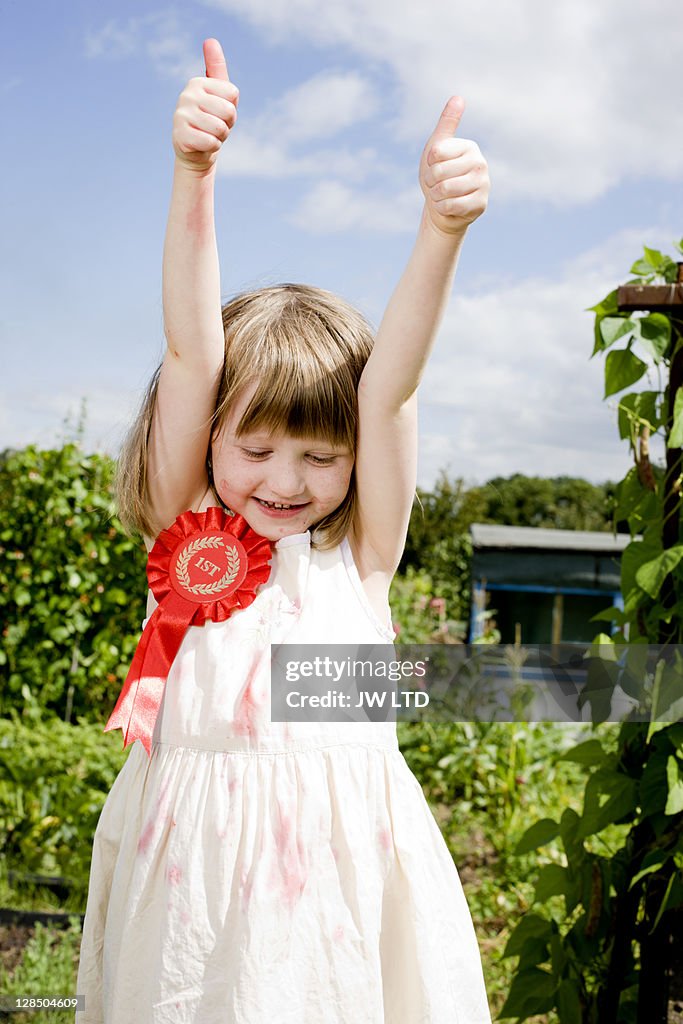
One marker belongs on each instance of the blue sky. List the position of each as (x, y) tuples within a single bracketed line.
[(577, 107)]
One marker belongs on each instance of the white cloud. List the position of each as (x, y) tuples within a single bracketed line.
[(511, 387), (160, 37), (248, 155), (271, 144), (565, 100), (319, 107), (332, 206)]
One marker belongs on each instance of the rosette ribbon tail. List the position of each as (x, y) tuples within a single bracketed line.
[(138, 705)]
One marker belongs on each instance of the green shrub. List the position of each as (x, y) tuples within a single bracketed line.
[(54, 779), (72, 585)]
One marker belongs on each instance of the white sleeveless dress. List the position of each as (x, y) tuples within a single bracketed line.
[(251, 872)]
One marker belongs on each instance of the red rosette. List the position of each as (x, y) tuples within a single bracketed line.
[(204, 566)]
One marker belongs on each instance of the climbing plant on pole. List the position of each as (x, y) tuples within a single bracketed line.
[(602, 943)]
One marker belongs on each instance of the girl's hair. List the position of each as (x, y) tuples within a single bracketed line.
[(304, 350)]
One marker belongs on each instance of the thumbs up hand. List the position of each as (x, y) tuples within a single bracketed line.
[(206, 112), (453, 174)]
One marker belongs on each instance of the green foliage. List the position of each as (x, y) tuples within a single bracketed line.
[(438, 542), (54, 778), (72, 584), (580, 948), (47, 968), (500, 770), (420, 615), (561, 503)]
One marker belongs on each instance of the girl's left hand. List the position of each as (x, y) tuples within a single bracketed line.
[(454, 175)]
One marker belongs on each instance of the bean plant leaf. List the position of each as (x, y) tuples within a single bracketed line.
[(552, 881), (601, 678), (588, 752), (653, 256), (675, 738), (609, 797), (622, 368), (531, 992), (651, 861), (667, 691), (606, 307), (651, 575), (655, 264), (654, 333), (613, 614), (634, 501), (614, 327), (634, 410), (675, 439), (568, 1002), (540, 833), (674, 778), (642, 268), (610, 304), (530, 927), (634, 671), (663, 905), (634, 555)]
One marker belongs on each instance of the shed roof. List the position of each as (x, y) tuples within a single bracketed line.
[(492, 535)]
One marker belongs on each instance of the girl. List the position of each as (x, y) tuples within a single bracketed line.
[(244, 870)]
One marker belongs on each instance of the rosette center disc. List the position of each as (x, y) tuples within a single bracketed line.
[(208, 566)]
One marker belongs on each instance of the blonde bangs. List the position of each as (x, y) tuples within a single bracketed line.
[(299, 401)]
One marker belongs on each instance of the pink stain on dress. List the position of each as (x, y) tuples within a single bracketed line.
[(245, 718), (246, 886), (385, 840), (146, 837), (160, 814), (174, 875), (292, 861), (338, 933)]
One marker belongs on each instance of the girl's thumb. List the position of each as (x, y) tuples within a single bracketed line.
[(214, 60), (450, 119)]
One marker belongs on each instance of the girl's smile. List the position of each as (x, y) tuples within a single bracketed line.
[(280, 511)]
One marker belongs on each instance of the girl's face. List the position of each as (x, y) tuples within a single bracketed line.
[(258, 471)]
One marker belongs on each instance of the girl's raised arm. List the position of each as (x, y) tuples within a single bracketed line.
[(455, 184), (188, 381)]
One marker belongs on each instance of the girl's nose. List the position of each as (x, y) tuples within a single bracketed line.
[(287, 480)]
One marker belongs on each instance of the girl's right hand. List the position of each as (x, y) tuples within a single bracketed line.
[(206, 111)]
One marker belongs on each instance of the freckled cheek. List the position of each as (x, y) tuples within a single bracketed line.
[(336, 487), (235, 478)]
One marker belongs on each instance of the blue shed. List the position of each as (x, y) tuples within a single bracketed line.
[(545, 585)]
